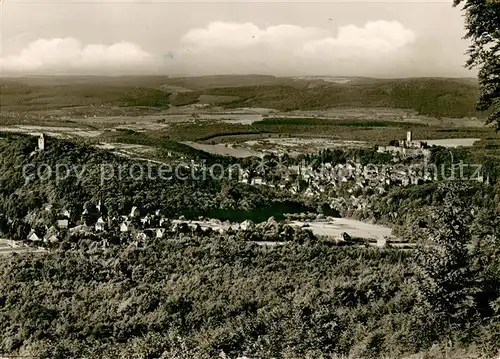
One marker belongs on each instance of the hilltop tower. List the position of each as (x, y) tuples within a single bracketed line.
[(409, 137), (41, 142)]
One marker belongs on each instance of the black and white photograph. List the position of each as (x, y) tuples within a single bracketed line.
[(250, 179)]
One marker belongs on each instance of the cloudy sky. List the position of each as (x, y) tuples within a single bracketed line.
[(370, 38)]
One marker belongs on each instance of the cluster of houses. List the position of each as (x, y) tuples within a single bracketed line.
[(355, 176), (95, 220), (51, 234), (311, 182), (139, 229)]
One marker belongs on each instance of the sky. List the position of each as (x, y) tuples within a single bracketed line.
[(336, 38)]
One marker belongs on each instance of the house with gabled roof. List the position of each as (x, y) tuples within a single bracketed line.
[(125, 227), (160, 232), (52, 235), (34, 236)]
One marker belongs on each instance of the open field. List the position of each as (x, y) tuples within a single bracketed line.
[(223, 150), (9, 247), (354, 228), (332, 229)]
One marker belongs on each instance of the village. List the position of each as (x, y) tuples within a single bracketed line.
[(355, 178), (137, 229), (347, 187)]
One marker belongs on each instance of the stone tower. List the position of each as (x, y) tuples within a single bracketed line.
[(408, 137), (41, 142)]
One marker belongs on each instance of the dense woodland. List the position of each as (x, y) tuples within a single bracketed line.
[(195, 295)]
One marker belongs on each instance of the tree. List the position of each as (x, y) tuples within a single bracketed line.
[(485, 233), (482, 24), (445, 282)]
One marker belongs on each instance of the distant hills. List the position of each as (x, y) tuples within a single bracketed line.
[(437, 97)]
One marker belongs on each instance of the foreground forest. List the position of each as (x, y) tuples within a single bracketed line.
[(196, 295)]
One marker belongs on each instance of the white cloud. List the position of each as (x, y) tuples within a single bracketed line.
[(375, 39), (244, 47), (379, 36), (221, 35), (70, 55)]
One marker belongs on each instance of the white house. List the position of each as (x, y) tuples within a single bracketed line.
[(100, 224), (62, 223), (246, 225), (381, 241), (146, 220), (52, 235), (124, 227), (32, 236), (258, 181)]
